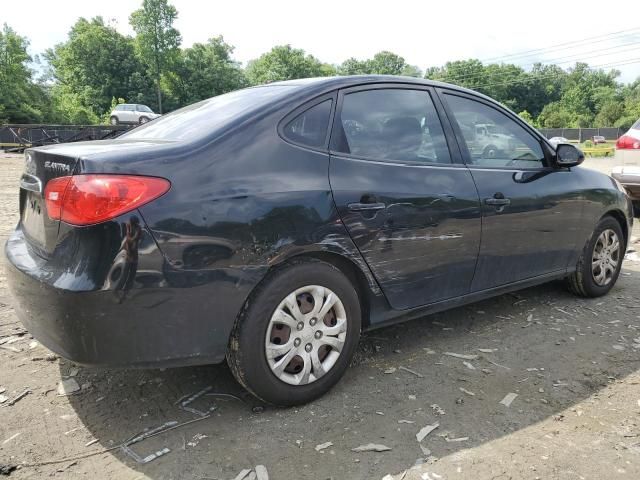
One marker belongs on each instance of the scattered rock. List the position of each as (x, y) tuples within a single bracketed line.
[(371, 447), (469, 365), (460, 355), (389, 371), (508, 398), (424, 431), (438, 409), (68, 386), (413, 372), (322, 446), (261, 472), (468, 392)]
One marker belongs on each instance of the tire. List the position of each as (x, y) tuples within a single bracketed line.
[(248, 346), (143, 120), (636, 208), (113, 120), (490, 151), (584, 282)]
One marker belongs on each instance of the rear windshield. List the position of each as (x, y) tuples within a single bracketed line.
[(202, 118)]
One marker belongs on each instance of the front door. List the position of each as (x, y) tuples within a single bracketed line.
[(412, 211), (531, 211)]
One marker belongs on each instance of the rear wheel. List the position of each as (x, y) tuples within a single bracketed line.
[(113, 120), (297, 335), (490, 151), (601, 260)]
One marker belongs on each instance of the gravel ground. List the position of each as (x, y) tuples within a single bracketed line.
[(573, 364)]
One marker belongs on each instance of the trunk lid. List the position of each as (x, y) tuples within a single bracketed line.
[(42, 165)]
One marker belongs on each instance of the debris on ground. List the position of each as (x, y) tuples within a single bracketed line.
[(371, 447), (508, 398), (322, 446), (469, 365), (389, 371), (437, 409), (261, 472), (6, 469), (15, 435), (424, 431), (68, 386), (406, 421), (413, 372), (462, 356), (18, 397), (487, 350), (468, 392), (243, 474)]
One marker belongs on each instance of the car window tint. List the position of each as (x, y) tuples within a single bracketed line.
[(130, 108), (310, 127), (636, 126), (144, 108), (492, 138), (393, 124), (119, 107)]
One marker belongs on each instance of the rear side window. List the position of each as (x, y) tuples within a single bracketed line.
[(392, 124), (310, 127), (119, 107)]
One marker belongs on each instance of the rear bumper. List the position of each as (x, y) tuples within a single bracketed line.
[(165, 317)]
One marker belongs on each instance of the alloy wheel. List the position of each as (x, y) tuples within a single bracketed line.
[(306, 335), (605, 258)]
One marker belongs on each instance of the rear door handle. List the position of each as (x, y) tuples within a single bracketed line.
[(358, 207), (497, 202)]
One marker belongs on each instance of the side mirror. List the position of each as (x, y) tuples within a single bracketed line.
[(568, 155)]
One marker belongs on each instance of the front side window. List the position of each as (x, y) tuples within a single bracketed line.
[(310, 127), (144, 108), (392, 124), (492, 138)]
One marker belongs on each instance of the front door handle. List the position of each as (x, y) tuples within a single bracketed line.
[(358, 207)]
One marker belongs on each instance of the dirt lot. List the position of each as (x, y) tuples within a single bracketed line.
[(574, 365)]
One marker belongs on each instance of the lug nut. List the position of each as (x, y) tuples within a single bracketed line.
[(296, 342), (300, 325), (318, 335), (313, 321), (308, 347)]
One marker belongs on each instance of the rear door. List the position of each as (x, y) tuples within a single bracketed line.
[(408, 202), (531, 211)]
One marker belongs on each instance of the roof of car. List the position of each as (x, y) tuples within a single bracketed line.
[(322, 83)]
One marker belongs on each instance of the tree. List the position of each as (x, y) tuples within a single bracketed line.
[(382, 63), (95, 65), (285, 63), (21, 100), (156, 39), (204, 70)]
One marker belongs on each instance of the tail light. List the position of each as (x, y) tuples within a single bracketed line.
[(627, 142), (90, 199)]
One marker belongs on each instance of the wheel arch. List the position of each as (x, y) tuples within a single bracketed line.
[(622, 220)]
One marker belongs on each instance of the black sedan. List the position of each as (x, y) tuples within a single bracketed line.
[(271, 225)]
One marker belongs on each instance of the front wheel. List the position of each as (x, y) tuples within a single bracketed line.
[(113, 120), (143, 120), (297, 335), (600, 262)]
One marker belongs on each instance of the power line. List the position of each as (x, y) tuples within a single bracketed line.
[(567, 45), (574, 58), (553, 75)]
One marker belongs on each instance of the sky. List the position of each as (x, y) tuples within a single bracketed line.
[(425, 33)]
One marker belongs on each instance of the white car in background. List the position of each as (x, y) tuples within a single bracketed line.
[(627, 169), (555, 141), (131, 113)]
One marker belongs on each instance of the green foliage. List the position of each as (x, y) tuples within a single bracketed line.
[(98, 67), (93, 66), (285, 63), (382, 63), (21, 100), (156, 39), (203, 71)]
